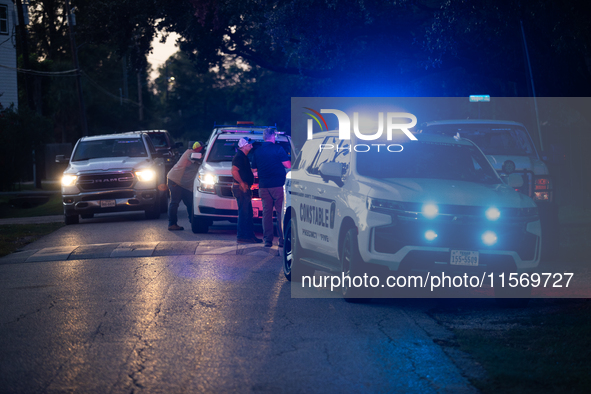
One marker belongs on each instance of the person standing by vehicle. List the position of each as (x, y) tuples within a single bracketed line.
[(243, 180), (270, 160), (180, 183)]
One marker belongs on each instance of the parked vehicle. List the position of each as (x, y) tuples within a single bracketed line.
[(113, 173), (212, 192), (510, 149), (433, 204), (165, 146)]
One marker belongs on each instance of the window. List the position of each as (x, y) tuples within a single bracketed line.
[(3, 19), (324, 155)]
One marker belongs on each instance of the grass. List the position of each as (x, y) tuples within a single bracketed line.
[(52, 207), (15, 236), (546, 353)]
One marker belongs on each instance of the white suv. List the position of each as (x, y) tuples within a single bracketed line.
[(212, 190), (432, 204)]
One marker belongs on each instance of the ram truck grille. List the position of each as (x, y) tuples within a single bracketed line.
[(105, 181)]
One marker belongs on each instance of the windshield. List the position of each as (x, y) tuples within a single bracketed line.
[(123, 147), (225, 149), (431, 160), (492, 139), (159, 140)]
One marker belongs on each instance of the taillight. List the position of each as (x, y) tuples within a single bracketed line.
[(543, 189)]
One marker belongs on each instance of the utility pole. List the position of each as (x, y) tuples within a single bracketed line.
[(71, 23), (22, 29), (533, 89), (139, 95)]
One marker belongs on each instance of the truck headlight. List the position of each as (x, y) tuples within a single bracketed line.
[(145, 175), (207, 182), (69, 180)]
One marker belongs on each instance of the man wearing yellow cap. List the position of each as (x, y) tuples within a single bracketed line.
[(180, 183)]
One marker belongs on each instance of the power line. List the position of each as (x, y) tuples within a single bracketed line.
[(68, 73), (99, 87)]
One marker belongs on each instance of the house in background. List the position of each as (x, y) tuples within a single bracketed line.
[(8, 85)]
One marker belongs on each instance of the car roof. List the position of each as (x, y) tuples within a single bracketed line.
[(420, 137), (227, 136), (130, 134), (472, 121), (151, 131)]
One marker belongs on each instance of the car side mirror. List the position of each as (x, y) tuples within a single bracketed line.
[(332, 172), (515, 180), (197, 156), (61, 159)]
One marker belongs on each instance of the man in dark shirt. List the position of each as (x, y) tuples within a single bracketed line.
[(270, 160), (243, 180)]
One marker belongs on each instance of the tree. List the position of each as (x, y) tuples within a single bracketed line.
[(409, 47)]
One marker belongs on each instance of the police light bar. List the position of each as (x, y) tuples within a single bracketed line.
[(477, 98)]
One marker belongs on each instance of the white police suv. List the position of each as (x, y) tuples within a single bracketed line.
[(354, 206), (212, 189)]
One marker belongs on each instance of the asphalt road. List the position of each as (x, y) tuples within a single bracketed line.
[(201, 323)]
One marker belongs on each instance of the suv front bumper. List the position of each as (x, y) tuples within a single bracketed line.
[(518, 248)]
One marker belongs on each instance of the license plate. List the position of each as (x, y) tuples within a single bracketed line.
[(464, 257), (255, 212), (107, 203)]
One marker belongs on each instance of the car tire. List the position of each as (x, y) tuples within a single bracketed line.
[(154, 212), (71, 219), (87, 215), (352, 265), (293, 269), (199, 225), (164, 203), (550, 233)]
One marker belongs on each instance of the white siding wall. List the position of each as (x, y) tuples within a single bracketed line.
[(8, 87)]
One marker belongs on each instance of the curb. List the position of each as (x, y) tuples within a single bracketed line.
[(139, 249)]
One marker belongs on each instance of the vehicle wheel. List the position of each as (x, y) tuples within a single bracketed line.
[(71, 219), (87, 215), (154, 212), (292, 268), (164, 203), (352, 265), (550, 233), (199, 225)]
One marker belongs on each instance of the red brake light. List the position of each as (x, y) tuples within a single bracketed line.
[(543, 189)]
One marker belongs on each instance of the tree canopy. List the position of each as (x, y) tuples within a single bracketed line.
[(401, 47)]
